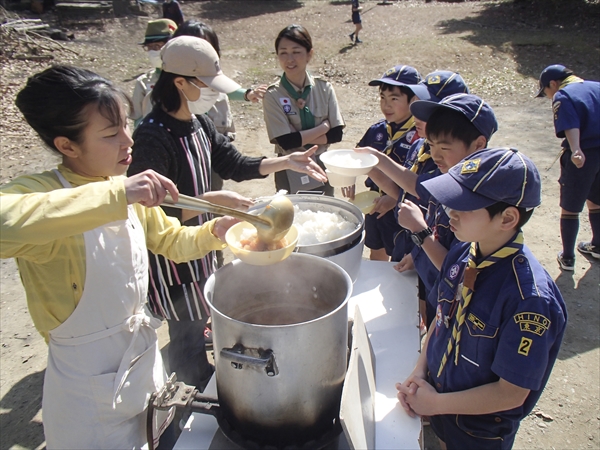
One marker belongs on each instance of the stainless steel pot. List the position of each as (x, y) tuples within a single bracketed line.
[(345, 251), (280, 343)]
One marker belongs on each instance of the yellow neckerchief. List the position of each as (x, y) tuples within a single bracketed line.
[(408, 125), (422, 156), (570, 79), (468, 287)]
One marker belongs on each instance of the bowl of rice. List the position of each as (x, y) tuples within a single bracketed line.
[(244, 244), (348, 162)]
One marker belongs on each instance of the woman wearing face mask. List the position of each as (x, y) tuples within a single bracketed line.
[(184, 147), (158, 32), (300, 109)]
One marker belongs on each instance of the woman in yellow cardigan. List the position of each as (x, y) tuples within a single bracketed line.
[(80, 235)]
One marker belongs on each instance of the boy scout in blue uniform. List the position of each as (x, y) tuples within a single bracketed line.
[(393, 136), (356, 20), (438, 85), (500, 317), (576, 108)]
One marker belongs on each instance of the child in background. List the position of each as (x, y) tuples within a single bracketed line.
[(576, 107), (172, 10), (392, 136), (500, 318), (356, 20), (158, 33), (457, 126)]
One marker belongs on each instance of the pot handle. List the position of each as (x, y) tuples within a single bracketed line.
[(239, 359)]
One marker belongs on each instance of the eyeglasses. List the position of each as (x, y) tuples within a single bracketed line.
[(155, 46)]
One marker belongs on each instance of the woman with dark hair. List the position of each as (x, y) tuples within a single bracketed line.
[(184, 147), (80, 234), (300, 110)]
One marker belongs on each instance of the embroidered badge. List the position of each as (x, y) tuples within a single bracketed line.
[(287, 104), (476, 321), (532, 322), (434, 79), (438, 316), (470, 166), (410, 135), (555, 107), (379, 137), (453, 271), (524, 346)]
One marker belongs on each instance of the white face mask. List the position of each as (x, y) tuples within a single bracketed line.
[(208, 97), (154, 57)]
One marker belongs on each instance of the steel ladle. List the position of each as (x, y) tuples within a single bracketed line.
[(271, 225)]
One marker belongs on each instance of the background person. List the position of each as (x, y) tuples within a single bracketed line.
[(300, 110), (576, 109), (357, 21), (172, 10), (158, 32), (80, 235), (184, 147)]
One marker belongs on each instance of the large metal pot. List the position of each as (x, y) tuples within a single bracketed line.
[(280, 343), (345, 251)]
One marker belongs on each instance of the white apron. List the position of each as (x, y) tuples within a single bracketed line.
[(104, 361)]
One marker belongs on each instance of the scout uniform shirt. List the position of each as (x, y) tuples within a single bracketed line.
[(282, 115), (577, 105), (513, 328)]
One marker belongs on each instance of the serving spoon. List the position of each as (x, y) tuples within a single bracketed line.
[(271, 225)]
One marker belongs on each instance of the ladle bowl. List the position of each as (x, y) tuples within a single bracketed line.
[(271, 225)]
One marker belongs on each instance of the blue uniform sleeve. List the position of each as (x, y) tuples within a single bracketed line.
[(565, 115), (531, 336)]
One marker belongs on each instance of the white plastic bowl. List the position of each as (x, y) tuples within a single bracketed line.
[(339, 181), (232, 237), (335, 160)]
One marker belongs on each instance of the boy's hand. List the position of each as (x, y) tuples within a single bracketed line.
[(578, 158), (383, 204), (417, 397), (406, 263), (410, 216), (370, 150)]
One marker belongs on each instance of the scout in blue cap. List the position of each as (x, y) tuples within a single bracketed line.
[(576, 108), (437, 85), (456, 127), (392, 136), (500, 317)]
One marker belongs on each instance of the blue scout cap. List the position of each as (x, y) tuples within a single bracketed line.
[(401, 76), (554, 72), (443, 83), (479, 113), (486, 177)]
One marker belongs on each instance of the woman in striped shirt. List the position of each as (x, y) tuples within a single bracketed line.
[(184, 147)]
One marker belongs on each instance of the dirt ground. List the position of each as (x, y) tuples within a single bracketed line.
[(498, 47)]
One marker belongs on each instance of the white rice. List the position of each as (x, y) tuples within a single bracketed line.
[(344, 160), (315, 227)]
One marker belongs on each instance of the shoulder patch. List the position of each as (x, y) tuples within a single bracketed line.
[(524, 277), (555, 106), (532, 322)]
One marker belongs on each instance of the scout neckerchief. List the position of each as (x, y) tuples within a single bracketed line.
[(469, 277), (395, 137), (306, 117), (422, 156), (570, 79)]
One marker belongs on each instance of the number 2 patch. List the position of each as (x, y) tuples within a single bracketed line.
[(525, 346)]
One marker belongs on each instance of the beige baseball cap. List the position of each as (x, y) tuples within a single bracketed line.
[(191, 56)]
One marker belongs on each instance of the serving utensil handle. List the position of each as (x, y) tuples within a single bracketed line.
[(197, 204)]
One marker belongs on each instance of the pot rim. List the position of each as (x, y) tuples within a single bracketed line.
[(343, 304)]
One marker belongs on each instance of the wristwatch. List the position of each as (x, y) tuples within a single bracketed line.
[(419, 237)]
